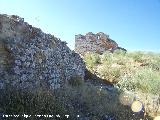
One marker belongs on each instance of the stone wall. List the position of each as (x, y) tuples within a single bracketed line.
[(30, 58), (98, 43)]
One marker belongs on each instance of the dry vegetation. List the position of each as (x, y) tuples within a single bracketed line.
[(137, 72), (84, 100)]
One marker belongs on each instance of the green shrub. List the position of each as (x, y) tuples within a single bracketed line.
[(136, 56), (144, 80), (154, 63), (108, 73), (154, 66), (92, 58), (119, 52), (106, 58)]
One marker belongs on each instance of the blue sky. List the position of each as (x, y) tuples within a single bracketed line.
[(133, 24)]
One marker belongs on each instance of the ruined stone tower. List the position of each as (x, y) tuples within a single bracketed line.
[(97, 43)]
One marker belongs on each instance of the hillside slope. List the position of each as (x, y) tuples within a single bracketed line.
[(30, 58), (136, 72)]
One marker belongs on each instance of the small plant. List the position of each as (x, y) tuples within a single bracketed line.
[(108, 73), (119, 52), (92, 57), (91, 60), (137, 56), (144, 80), (106, 58)]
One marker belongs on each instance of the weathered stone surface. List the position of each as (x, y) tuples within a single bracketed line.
[(98, 43), (31, 58)]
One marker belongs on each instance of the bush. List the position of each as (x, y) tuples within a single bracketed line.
[(92, 57), (91, 60), (136, 56), (119, 52), (108, 73), (106, 58), (144, 80)]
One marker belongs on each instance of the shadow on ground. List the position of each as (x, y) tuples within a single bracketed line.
[(93, 99)]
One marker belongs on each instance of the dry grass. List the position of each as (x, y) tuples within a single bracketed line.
[(85, 100)]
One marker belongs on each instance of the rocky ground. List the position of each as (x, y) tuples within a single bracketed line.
[(30, 58)]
